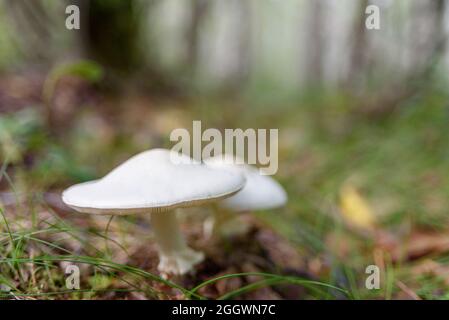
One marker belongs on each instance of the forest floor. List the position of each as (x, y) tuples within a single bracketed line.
[(363, 191)]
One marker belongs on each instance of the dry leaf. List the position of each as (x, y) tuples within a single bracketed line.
[(421, 244), (355, 209), (279, 251)]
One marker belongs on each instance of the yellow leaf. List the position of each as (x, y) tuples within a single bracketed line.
[(355, 209)]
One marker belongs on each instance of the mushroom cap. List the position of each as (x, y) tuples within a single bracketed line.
[(152, 182), (260, 191)]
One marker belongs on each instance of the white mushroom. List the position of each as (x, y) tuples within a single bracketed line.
[(259, 193), (151, 182)]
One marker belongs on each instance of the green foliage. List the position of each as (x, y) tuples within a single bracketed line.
[(20, 133), (87, 70)]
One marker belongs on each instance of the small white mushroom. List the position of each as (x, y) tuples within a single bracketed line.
[(260, 192), (150, 182)]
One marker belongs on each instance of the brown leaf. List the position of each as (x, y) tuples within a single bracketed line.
[(279, 250), (263, 293), (223, 286), (421, 244)]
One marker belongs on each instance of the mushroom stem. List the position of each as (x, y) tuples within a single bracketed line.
[(215, 222), (174, 254), (223, 222)]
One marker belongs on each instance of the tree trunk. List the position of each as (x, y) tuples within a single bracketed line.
[(359, 43), (315, 43), (198, 13)]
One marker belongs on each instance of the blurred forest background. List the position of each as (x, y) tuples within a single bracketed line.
[(362, 117), (289, 46)]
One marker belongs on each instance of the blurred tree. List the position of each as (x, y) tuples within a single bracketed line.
[(243, 13), (359, 45), (113, 34), (436, 43), (315, 48), (198, 13), (427, 60), (114, 38), (33, 21)]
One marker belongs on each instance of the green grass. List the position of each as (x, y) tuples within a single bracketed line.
[(15, 246)]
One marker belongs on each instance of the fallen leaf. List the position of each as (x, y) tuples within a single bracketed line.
[(421, 244), (355, 209), (279, 251)]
